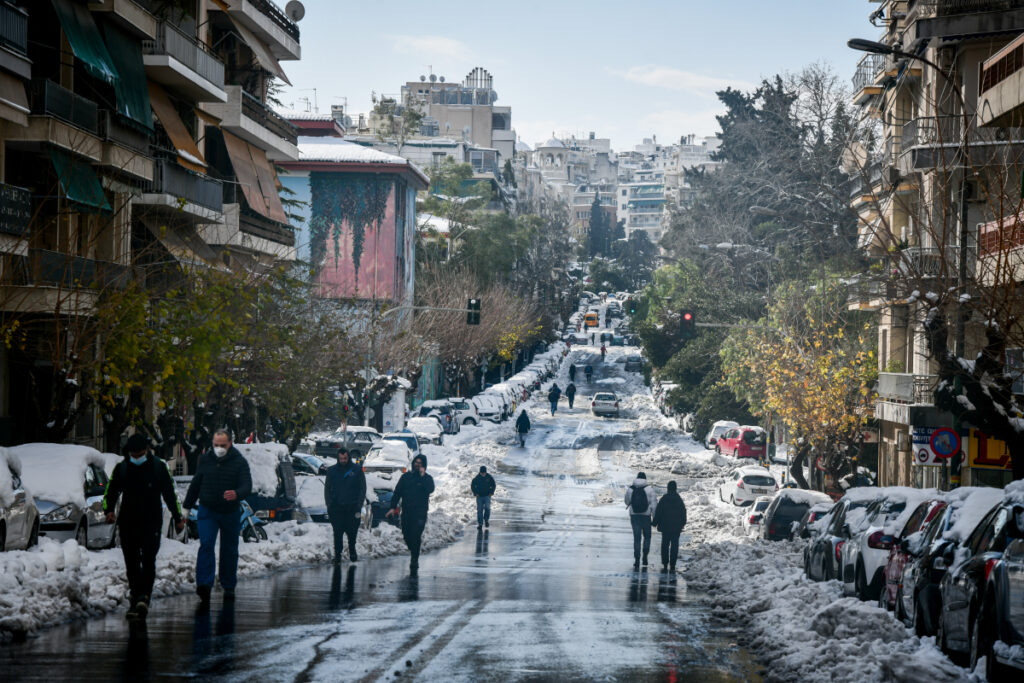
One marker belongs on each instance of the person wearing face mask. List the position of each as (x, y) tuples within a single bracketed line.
[(140, 481), (411, 500), (221, 481)]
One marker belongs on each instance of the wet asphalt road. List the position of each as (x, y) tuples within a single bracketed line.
[(547, 593)]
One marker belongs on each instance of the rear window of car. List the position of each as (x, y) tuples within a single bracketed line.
[(758, 480), (788, 511), (761, 505), (604, 397), (753, 438)]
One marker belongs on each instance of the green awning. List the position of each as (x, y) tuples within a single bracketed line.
[(84, 36), (130, 89), (78, 180)]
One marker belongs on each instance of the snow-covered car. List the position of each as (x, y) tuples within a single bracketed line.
[(19, 518), (356, 438), (310, 505), (465, 411), (822, 556), (900, 549), (406, 437), (273, 480), (378, 500), (488, 407), (388, 459), (717, 429), (745, 484), (445, 412), (754, 517), (68, 483), (305, 464), (808, 524), (605, 403), (426, 429), (786, 510), (634, 363), (746, 441)]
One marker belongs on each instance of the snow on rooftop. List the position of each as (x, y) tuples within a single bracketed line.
[(56, 472), (299, 115), (347, 152)]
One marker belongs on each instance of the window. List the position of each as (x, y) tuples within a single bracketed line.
[(1015, 368)]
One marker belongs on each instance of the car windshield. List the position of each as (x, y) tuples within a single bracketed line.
[(758, 480)]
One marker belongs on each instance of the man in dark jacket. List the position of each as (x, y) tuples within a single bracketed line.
[(522, 427), (670, 518), (140, 481), (411, 499), (221, 481), (483, 488), (553, 397), (345, 493), (570, 393), (572, 374)]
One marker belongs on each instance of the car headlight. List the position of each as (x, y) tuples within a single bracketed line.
[(59, 514)]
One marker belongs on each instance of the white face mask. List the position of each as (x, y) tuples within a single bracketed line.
[(220, 451)]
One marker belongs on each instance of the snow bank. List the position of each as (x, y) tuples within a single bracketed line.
[(56, 472), (9, 463), (263, 459), (311, 492)]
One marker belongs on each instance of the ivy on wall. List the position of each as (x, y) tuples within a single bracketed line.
[(358, 200)]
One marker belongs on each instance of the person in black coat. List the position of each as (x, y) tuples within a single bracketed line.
[(522, 427), (345, 493), (570, 393), (141, 480), (670, 518), (411, 499), (483, 486), (221, 482), (553, 397)]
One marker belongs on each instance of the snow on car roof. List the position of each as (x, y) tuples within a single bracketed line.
[(263, 459), (311, 492), (357, 428), (753, 469), (424, 422), (56, 472), (973, 503), (805, 497), (911, 497), (389, 451), (9, 462)]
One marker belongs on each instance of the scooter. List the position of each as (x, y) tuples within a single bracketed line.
[(251, 529)]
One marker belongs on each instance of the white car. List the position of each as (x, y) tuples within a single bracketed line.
[(746, 484), (406, 437), (388, 459), (465, 411), (753, 517), (488, 407), (717, 429), (19, 518), (605, 403), (426, 429)]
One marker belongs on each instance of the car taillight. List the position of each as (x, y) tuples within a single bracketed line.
[(879, 541), (739, 484), (750, 519), (593, 403), (404, 470), (273, 514), (989, 566), (839, 548)]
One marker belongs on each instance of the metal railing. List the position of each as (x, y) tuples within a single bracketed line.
[(907, 387), (114, 128), (268, 118), (172, 41), (275, 14), (13, 28), (58, 269), (941, 8), (50, 99), (169, 177), (868, 68), (929, 261)]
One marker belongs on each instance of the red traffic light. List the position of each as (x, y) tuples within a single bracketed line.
[(687, 316)]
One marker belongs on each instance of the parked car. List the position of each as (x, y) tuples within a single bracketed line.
[(899, 551), (822, 555), (67, 483), (605, 403), (811, 519), (19, 518), (634, 363), (753, 518), (717, 429), (426, 429), (786, 510), (356, 438), (445, 412), (310, 502), (303, 463), (488, 407), (465, 411), (273, 480), (406, 437), (747, 483), (388, 459), (743, 442)]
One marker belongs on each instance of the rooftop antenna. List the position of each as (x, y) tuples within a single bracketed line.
[(316, 106)]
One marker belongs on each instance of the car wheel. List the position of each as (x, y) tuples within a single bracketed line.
[(826, 569), (859, 583), (732, 499), (469, 421), (981, 637), (82, 535), (33, 538), (927, 607)]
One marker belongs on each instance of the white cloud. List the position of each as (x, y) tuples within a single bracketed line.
[(670, 78), (432, 47)]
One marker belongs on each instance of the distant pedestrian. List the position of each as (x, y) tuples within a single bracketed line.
[(411, 500), (670, 518), (140, 481), (572, 372), (553, 397), (604, 351), (640, 501), (483, 488), (522, 427), (345, 493), (222, 480), (589, 372), (570, 393)]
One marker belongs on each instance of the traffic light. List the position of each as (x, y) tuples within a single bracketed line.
[(687, 325), (631, 306), (473, 312)]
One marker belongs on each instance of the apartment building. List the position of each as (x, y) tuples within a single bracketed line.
[(943, 178), (641, 203)]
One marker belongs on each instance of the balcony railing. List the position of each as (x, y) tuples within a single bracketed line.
[(169, 177), (13, 29), (928, 261), (172, 41), (945, 8), (906, 387), (867, 71), (50, 99), (114, 128), (57, 269), (268, 118), (15, 209), (1002, 65), (275, 14)]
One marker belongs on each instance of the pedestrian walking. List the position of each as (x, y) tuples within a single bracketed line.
[(483, 488), (553, 397), (345, 493), (140, 481), (522, 427), (222, 480), (641, 502), (589, 372), (604, 351), (572, 372), (592, 338), (570, 393), (670, 518), (411, 500)]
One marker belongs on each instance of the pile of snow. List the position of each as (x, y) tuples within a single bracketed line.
[(56, 472), (311, 492), (263, 459), (9, 464)]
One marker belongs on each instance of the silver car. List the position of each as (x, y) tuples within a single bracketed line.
[(605, 403), (19, 518)]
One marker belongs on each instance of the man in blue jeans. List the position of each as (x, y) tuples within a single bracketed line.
[(221, 481), (483, 486)]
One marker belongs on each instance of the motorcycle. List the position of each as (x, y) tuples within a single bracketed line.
[(251, 529)]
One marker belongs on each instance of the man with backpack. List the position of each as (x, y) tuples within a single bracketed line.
[(670, 518), (483, 487), (570, 393), (553, 397), (641, 502)]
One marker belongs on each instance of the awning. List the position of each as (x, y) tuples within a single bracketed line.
[(184, 244), (13, 100), (130, 88), (256, 177), (78, 181), (84, 36), (260, 49), (188, 153)]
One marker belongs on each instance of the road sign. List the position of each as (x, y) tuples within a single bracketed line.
[(945, 443), (921, 440)]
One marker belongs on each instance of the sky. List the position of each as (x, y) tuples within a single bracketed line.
[(625, 70)]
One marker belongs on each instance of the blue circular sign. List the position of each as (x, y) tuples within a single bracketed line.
[(945, 443)]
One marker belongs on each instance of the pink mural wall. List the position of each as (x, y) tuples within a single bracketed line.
[(381, 265)]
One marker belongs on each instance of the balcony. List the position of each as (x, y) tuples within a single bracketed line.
[(248, 118), (1001, 251), (246, 230), (868, 295), (865, 78), (60, 118), (50, 99), (907, 387), (999, 93), (928, 262), (14, 38), (15, 209), (938, 142), (129, 15), (56, 269), (959, 19), (178, 191), (270, 24), (126, 147), (179, 61)]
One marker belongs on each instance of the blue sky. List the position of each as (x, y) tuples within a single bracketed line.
[(625, 69)]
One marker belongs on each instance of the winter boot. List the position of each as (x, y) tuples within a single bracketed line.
[(229, 595), (352, 555), (487, 523), (132, 612), (636, 563), (142, 607), (204, 594), (645, 560)]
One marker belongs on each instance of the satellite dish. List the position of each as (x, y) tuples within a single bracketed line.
[(433, 78), (295, 10), (442, 79), (422, 79)]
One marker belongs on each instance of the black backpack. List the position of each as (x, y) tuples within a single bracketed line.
[(639, 504)]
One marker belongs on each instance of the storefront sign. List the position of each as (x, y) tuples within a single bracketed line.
[(984, 452)]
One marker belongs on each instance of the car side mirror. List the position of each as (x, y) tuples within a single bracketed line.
[(940, 563), (712, 441), (846, 530)]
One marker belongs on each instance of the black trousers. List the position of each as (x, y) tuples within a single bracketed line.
[(670, 548), (641, 530), (140, 546), (344, 522), (412, 532)]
